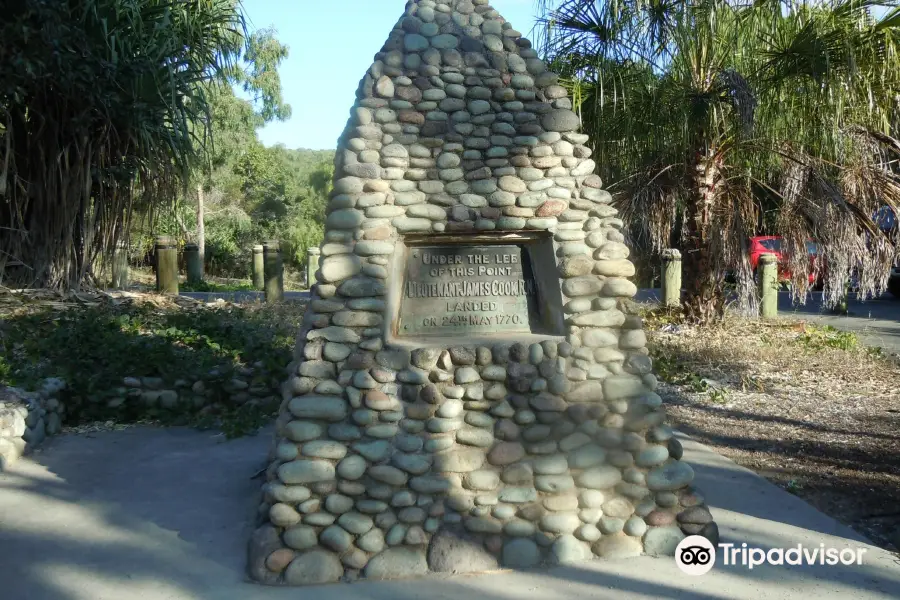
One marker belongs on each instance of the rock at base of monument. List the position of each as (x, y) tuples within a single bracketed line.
[(711, 532), (521, 553), (662, 541), (618, 546), (454, 551), (263, 542), (314, 568), (567, 550), (396, 563)]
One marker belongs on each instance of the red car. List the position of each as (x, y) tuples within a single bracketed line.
[(771, 244)]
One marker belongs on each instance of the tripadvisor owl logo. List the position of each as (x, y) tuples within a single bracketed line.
[(695, 555)]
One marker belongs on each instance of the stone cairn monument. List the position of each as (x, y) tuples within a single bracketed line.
[(467, 392)]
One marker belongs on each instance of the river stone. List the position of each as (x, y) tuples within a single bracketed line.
[(411, 463), (314, 568), (327, 408), (662, 541), (452, 550), (375, 450), (352, 467), (617, 546), (372, 541), (302, 431), (506, 453), (520, 553), (652, 456), (301, 537), (554, 464), (387, 474), (324, 449), (599, 478), (518, 495), (398, 562), (336, 538), (459, 460), (475, 437), (356, 523), (482, 480), (306, 471), (560, 522), (337, 268), (669, 477), (567, 549), (560, 120)]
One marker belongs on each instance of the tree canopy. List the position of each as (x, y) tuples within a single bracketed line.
[(715, 119)]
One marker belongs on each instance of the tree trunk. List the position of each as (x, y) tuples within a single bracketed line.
[(703, 299), (201, 229)]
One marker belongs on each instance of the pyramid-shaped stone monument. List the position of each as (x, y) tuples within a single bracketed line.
[(468, 392)]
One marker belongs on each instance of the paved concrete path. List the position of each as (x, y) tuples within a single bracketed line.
[(163, 514)]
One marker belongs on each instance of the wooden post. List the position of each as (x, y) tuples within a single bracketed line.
[(671, 277), (274, 272), (120, 274), (193, 263), (166, 265), (768, 286), (313, 256), (259, 278)]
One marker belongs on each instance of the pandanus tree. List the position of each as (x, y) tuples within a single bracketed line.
[(103, 111), (713, 117)]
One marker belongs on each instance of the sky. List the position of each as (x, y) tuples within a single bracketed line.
[(332, 44)]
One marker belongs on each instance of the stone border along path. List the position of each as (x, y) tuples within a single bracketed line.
[(162, 514)]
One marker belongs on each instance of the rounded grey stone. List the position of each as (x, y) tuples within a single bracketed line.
[(352, 467), (356, 523), (567, 549), (336, 538), (315, 567), (454, 551), (372, 541), (669, 477), (397, 562), (306, 471), (520, 553), (300, 537), (662, 541)]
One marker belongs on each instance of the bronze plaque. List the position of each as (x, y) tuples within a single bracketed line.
[(467, 289)]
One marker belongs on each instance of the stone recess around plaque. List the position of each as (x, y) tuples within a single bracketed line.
[(463, 447), (475, 285)]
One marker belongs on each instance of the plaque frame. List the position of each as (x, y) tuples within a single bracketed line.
[(539, 248)]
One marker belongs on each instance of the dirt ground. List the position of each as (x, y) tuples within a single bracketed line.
[(810, 409)]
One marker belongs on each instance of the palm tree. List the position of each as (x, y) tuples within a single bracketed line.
[(713, 117), (103, 111)]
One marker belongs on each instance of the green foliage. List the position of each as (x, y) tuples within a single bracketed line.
[(93, 348), (713, 120), (234, 422), (270, 193), (826, 336), (102, 104), (205, 286)]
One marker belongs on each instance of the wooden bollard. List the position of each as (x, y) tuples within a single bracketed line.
[(274, 271), (768, 286), (671, 283), (120, 271), (193, 264), (259, 266), (166, 265), (313, 256)]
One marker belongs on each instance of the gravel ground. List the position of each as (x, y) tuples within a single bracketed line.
[(813, 411)]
